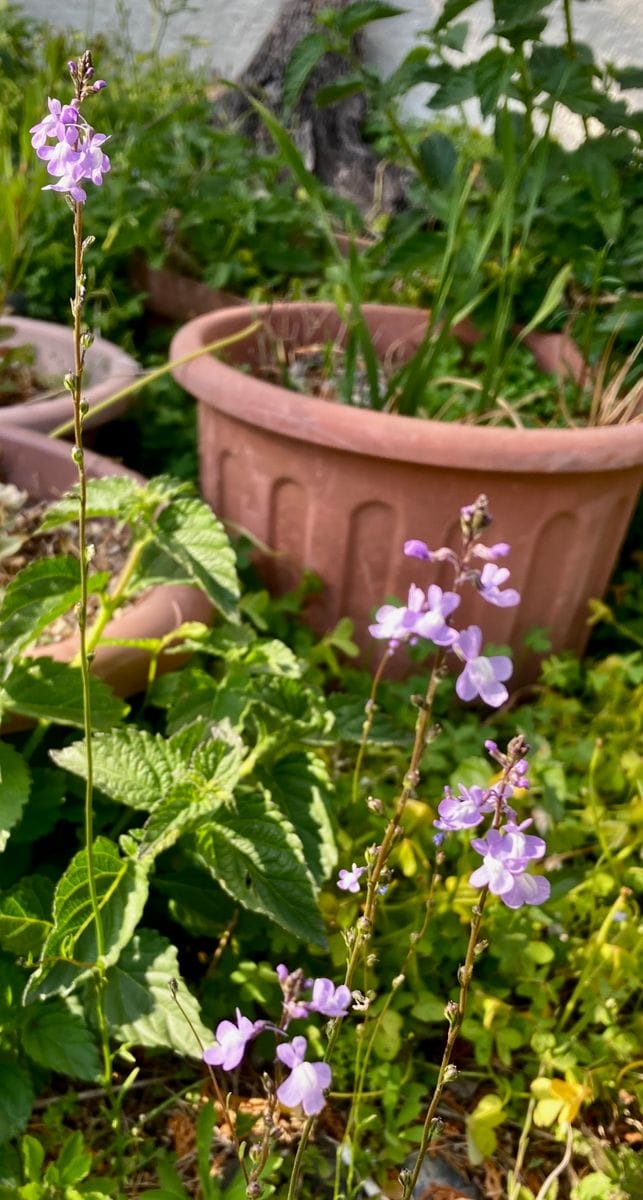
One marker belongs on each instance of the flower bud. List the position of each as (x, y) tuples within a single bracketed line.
[(70, 381), (450, 1073)]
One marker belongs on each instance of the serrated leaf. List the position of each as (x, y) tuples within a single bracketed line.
[(55, 1036), (254, 853), (52, 690), (142, 770), (70, 951), (16, 1097), (25, 915), (130, 765), (284, 704), (303, 60), (113, 496), (40, 593), (15, 783), (138, 1002), (301, 785), (188, 531)]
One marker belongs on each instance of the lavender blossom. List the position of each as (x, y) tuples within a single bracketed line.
[(348, 881), (507, 853), (77, 153), (481, 676), (329, 1000), (490, 583), (307, 1082), (231, 1042), (463, 811)]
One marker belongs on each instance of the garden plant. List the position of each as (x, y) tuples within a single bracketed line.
[(249, 946)]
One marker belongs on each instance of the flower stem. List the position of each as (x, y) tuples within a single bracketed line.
[(367, 726), (456, 1017), (79, 458)]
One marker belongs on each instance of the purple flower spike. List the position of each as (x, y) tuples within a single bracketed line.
[(231, 1042), (307, 1082), (329, 1000), (491, 580), (348, 881), (482, 676), (506, 855)]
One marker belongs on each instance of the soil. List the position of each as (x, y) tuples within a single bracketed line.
[(20, 544)]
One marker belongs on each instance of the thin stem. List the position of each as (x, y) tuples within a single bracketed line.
[(366, 922), (79, 458), (455, 1017), (558, 1170), (367, 726)]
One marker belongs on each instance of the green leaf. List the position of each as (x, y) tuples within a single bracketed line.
[(70, 951), (459, 85), (362, 12), (388, 1038), (40, 593), (439, 157), (550, 301), (25, 915), (301, 785), (481, 1123), (16, 1097), (628, 77), (114, 496), (350, 85), (188, 531), (139, 1004), (451, 9), (254, 853), (55, 1036), (15, 783), (130, 765), (143, 770), (43, 688), (303, 60), (519, 22)]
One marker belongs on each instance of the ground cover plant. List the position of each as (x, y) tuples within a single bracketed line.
[(272, 829)]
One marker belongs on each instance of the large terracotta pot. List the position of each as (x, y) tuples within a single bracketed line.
[(44, 469), (338, 489), (108, 370)]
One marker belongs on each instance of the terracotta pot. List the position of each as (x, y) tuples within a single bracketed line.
[(108, 370), (44, 468), (339, 489), (178, 297)]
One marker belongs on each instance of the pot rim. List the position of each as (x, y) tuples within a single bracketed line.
[(46, 414), (386, 435), (157, 612)]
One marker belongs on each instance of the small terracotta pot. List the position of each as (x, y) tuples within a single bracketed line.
[(339, 489), (178, 297), (108, 370), (44, 469)]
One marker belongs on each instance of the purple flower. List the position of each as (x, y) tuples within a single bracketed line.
[(77, 153), (423, 616), (329, 1000), (506, 855), (432, 623), (231, 1041), (490, 582), (482, 676), (396, 622), (348, 881), (463, 811), (414, 548), (491, 553), (59, 124), (307, 1082)]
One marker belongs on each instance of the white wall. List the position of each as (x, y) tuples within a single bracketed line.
[(231, 30)]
